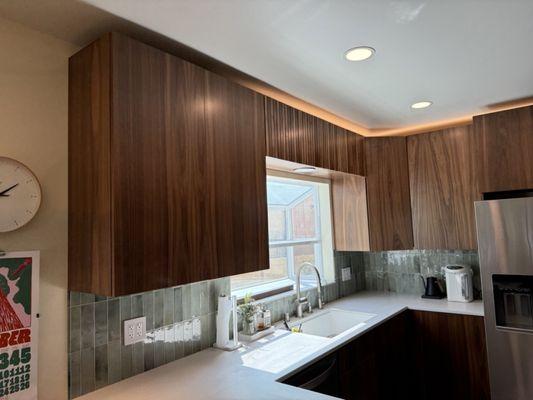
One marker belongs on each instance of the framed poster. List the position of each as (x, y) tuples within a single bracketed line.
[(19, 326)]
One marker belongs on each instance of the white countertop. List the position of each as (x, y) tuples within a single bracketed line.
[(252, 371)]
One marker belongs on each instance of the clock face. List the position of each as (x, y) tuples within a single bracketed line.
[(20, 194)]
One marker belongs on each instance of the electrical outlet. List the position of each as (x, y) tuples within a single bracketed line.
[(187, 331), (346, 274), (134, 330), (196, 329)]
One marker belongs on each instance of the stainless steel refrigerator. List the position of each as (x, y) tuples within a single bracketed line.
[(505, 244)]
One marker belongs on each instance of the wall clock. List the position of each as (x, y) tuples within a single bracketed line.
[(20, 194)]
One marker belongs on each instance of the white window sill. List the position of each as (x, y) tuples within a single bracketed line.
[(273, 286), (264, 288)]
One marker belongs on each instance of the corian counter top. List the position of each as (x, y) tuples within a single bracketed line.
[(252, 371)]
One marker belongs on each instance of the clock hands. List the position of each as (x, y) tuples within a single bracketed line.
[(3, 193)]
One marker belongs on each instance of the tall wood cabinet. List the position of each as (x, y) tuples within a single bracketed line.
[(505, 149), (444, 185), (387, 183), (167, 179), (295, 136)]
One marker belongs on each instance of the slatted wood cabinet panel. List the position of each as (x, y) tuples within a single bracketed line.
[(387, 184), (163, 158), (295, 136), (505, 149), (444, 186)]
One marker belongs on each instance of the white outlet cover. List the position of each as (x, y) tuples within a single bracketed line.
[(134, 330), (196, 329), (346, 274), (187, 331)]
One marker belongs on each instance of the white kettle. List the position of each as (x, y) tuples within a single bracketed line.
[(459, 285)]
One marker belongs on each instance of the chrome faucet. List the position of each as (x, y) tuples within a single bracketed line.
[(301, 301)]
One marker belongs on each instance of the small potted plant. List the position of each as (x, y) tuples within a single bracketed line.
[(248, 310)]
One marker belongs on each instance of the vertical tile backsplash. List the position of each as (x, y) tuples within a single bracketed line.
[(97, 356), (400, 271)]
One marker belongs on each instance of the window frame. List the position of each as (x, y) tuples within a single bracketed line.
[(289, 243), (287, 284)]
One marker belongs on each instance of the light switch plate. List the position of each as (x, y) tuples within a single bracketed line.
[(134, 330), (346, 274)]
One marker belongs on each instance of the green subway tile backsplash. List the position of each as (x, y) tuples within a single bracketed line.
[(401, 271), (97, 356)]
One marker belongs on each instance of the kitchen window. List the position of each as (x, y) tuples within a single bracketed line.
[(299, 230)]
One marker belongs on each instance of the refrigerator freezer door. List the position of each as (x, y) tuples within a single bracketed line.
[(505, 245)]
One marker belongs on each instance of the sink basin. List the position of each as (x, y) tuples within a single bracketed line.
[(332, 322)]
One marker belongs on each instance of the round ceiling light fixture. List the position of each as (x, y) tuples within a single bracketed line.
[(421, 104), (359, 53), (304, 170)]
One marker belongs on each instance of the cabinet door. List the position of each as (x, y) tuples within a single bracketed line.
[(375, 366), (505, 149), (163, 175), (450, 359), (140, 212), (350, 212), (236, 128), (444, 186), (387, 183), (191, 175)]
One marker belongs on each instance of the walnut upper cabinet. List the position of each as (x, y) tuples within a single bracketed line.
[(295, 136), (350, 212), (444, 186), (387, 184), (505, 152), (167, 179)]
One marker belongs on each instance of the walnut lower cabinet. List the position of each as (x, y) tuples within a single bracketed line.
[(167, 178), (450, 356), (415, 355)]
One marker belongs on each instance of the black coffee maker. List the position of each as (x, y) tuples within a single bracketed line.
[(432, 288)]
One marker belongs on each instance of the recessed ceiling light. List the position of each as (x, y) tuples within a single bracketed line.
[(304, 170), (359, 53), (421, 104)]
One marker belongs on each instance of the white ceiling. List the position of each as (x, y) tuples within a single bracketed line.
[(461, 54)]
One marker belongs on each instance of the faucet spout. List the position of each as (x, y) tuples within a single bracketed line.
[(301, 301)]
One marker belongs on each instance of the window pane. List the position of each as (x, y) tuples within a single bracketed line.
[(278, 263), (277, 229), (303, 219), (293, 216), (277, 271), (284, 193), (304, 253)]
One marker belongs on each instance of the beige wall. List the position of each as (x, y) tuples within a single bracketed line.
[(33, 130)]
